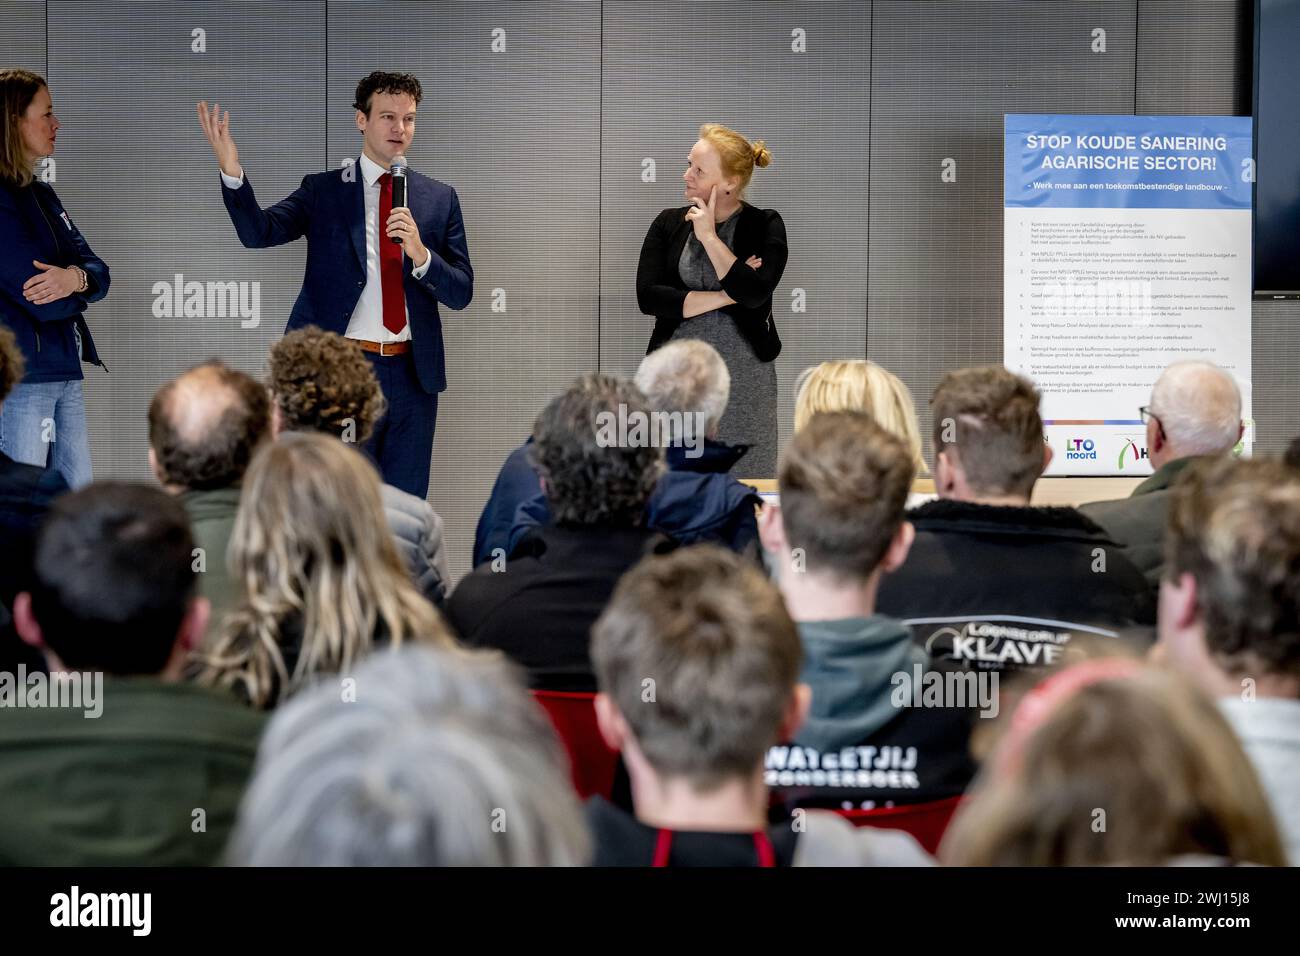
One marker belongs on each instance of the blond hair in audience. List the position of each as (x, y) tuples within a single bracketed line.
[(312, 551), (860, 385), (1119, 763)]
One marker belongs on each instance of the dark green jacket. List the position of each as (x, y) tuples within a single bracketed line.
[(1138, 521), (122, 789), (212, 516)]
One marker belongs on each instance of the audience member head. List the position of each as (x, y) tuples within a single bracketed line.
[(592, 474), (205, 426), (114, 583), (697, 663), (685, 378), (1291, 457), (442, 760), (1229, 606), (1195, 410), (861, 386), (322, 382), (988, 436), (844, 481), (319, 573), (1109, 762)]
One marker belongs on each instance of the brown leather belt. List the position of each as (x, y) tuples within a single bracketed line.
[(384, 348)]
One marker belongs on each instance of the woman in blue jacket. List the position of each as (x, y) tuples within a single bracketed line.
[(48, 275)]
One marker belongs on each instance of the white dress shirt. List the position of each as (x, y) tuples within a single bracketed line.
[(367, 321)]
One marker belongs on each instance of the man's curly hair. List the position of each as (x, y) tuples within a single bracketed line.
[(12, 366), (589, 480), (381, 82), (1235, 527), (206, 424), (322, 382)]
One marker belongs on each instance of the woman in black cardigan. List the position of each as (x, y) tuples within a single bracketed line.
[(708, 271)]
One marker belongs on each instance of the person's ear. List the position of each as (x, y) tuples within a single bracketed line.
[(1155, 437), (771, 529), (546, 492), (945, 472), (194, 624), (613, 728), (154, 468), (1181, 600), (1047, 456), (899, 546), (796, 712), (277, 420), (361, 121), (25, 623)]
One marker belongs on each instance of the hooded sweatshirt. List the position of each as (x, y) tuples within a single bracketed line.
[(865, 743)]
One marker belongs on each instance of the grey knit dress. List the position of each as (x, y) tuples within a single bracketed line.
[(750, 418)]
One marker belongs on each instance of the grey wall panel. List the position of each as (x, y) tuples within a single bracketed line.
[(668, 67), (1275, 364), (942, 76), (139, 178), (22, 36), (516, 133), (1192, 57)]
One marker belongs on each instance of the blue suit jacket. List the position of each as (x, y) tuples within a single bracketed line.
[(329, 210)]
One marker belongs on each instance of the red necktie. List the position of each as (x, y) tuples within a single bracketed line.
[(390, 263)]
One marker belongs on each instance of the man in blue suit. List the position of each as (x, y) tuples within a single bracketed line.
[(375, 273)]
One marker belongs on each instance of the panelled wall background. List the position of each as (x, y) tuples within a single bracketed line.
[(564, 127)]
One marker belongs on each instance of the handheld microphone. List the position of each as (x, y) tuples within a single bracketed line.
[(398, 172)]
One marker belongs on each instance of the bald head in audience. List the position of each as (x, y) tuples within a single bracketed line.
[(1195, 410), (204, 427)]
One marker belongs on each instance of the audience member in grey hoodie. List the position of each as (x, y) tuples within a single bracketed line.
[(838, 528), (1230, 608)]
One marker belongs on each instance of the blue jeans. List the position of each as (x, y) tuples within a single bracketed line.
[(44, 424)]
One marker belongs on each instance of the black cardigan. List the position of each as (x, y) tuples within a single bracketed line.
[(660, 291)]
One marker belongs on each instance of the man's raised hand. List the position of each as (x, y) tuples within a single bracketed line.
[(216, 128)]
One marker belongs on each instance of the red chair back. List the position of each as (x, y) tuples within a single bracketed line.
[(591, 763), (925, 821)]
